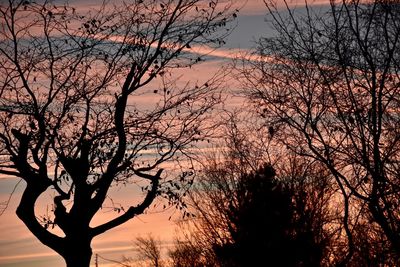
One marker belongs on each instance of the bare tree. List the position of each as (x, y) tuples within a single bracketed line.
[(246, 216), (72, 117), (186, 253), (328, 86), (149, 249)]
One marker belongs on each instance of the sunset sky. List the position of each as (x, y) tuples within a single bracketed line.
[(18, 247)]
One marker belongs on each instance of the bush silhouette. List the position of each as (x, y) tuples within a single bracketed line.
[(265, 228)]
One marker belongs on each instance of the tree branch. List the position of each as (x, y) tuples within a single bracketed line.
[(132, 211)]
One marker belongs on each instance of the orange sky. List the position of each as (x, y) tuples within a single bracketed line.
[(19, 248)]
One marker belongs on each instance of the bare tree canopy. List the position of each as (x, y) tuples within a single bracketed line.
[(149, 249), (328, 86), (249, 217), (71, 120)]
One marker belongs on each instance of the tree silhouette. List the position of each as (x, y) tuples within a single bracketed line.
[(327, 83), (247, 217), (186, 254), (73, 120), (149, 249), (264, 228)]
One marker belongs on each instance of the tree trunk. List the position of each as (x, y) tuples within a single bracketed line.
[(78, 254)]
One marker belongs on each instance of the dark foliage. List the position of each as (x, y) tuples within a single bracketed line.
[(264, 227)]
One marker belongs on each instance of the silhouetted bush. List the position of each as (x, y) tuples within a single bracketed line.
[(264, 226), (255, 218)]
